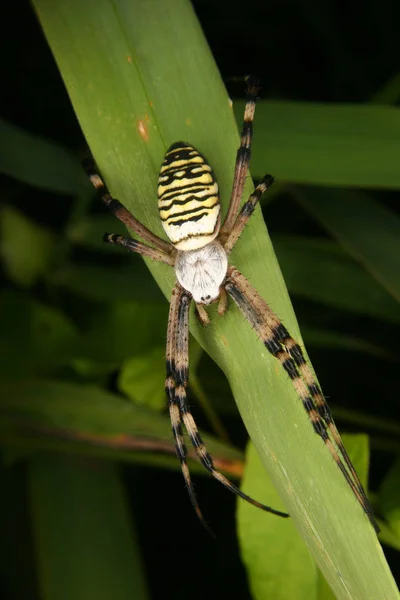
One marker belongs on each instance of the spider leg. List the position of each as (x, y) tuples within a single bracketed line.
[(223, 302), (202, 314), (139, 247), (295, 351), (246, 212), (121, 212), (242, 156), (179, 367), (174, 411), (282, 346)]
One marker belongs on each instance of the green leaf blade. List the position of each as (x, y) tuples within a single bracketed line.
[(141, 81)]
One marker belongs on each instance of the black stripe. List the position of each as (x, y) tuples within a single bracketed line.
[(308, 404), (167, 177), (280, 332), (290, 367), (178, 145), (170, 366), (247, 131), (206, 210), (193, 219), (243, 155), (272, 346), (248, 209), (183, 154), (314, 390), (113, 204), (188, 199), (297, 354), (182, 189)]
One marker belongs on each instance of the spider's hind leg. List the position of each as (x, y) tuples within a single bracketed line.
[(178, 367), (283, 347)]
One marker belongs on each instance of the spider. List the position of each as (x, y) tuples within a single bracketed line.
[(198, 250)]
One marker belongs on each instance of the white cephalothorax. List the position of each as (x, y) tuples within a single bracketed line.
[(202, 271)]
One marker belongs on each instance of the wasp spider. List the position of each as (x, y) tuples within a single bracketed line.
[(198, 250)]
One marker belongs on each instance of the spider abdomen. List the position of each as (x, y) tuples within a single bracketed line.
[(202, 271), (188, 199)]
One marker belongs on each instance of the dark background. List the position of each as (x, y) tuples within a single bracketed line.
[(305, 50)]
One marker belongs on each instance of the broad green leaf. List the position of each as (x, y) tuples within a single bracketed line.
[(323, 338), (122, 282), (389, 498), (319, 270), (388, 537), (39, 162), (89, 232), (142, 378), (86, 419), (27, 249), (327, 144), (367, 230), (17, 568), (35, 338), (135, 92), (277, 563), (389, 93), (124, 329), (86, 545)]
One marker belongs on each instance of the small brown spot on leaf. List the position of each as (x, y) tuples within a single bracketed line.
[(143, 131), (224, 341)]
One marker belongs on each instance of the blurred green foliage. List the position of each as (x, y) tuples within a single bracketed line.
[(83, 329)]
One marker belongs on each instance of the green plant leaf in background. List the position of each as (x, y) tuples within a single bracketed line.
[(390, 498), (39, 162), (75, 417), (140, 76), (341, 282), (81, 503), (277, 562), (50, 339), (327, 144), (142, 378), (367, 230), (26, 248)]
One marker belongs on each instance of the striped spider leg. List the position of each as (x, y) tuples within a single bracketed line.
[(265, 322), (190, 213), (282, 346), (175, 385)]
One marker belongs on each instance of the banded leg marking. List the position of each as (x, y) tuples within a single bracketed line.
[(246, 212), (283, 347), (174, 411), (138, 247), (121, 212), (295, 351), (179, 363), (242, 157)]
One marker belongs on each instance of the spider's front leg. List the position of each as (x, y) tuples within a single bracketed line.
[(202, 314)]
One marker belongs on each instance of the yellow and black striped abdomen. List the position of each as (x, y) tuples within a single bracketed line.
[(188, 198)]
